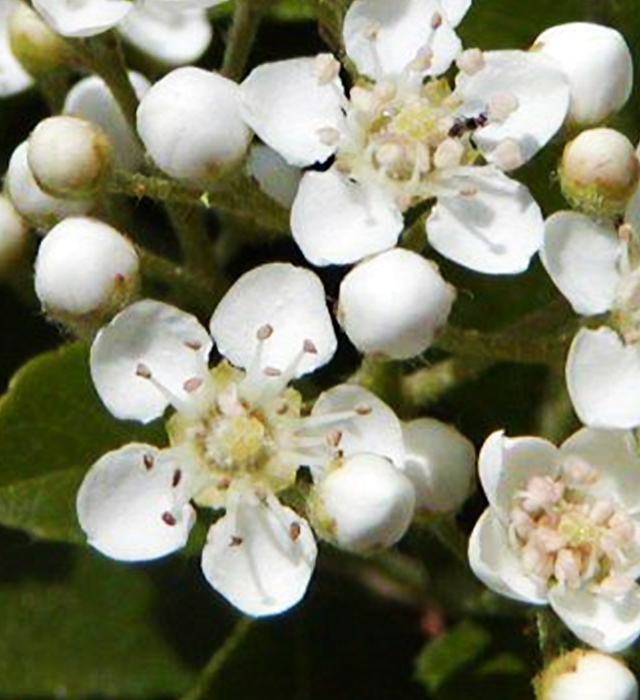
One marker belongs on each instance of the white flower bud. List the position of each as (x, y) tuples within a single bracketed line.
[(586, 675), (191, 126), (37, 206), (85, 272), (364, 504), (597, 63), (15, 238), (69, 157), (599, 172), (38, 48), (440, 462), (276, 177), (394, 303)]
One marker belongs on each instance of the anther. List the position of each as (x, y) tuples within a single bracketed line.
[(169, 519), (143, 371), (281, 407), (235, 541), (193, 344), (362, 409), (468, 190), (294, 531), (371, 32), (436, 20), (119, 278), (147, 460), (177, 477), (309, 347), (328, 135), (223, 484), (272, 372), (264, 332), (334, 437), (192, 385), (326, 68)]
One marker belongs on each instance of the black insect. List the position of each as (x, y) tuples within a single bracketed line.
[(463, 125)]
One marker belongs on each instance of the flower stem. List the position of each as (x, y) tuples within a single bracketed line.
[(247, 16), (219, 659), (550, 632)]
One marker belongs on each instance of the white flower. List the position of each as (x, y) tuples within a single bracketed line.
[(394, 303), (598, 65), (586, 675), (217, 136), (401, 139), (13, 77), (563, 528), (237, 436)]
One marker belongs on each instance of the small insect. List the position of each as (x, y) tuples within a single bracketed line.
[(464, 125)]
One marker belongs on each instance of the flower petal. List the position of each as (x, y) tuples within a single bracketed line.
[(13, 77), (382, 38), (337, 221), (91, 99), (275, 176), (613, 453), (581, 256), (291, 302), (130, 506), (540, 88), (375, 429), (170, 34), (260, 556), (287, 105), (170, 344), (440, 462), (506, 464), (603, 379), (82, 17), (606, 624), (493, 561), (496, 227)]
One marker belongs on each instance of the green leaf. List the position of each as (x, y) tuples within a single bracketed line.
[(53, 428)]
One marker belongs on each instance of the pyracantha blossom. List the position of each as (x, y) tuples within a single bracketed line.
[(596, 265), (404, 135), (13, 77), (563, 528), (237, 437)]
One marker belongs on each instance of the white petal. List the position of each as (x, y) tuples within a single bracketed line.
[(288, 107), (506, 464), (170, 343), (493, 561), (292, 302), (440, 462), (581, 256), (542, 94), (91, 99), (496, 229), (603, 379), (614, 454), (455, 10), (383, 37), (275, 176), (606, 624), (337, 221), (173, 35), (13, 77), (377, 431), (129, 506), (82, 17), (260, 556)]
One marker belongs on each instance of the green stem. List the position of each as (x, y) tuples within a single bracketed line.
[(447, 532), (219, 659), (550, 631), (247, 16)]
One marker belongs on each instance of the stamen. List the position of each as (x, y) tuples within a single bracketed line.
[(192, 385), (148, 460), (371, 31), (436, 20), (309, 347), (143, 371), (334, 437), (502, 105), (264, 332), (326, 68), (328, 135), (193, 345), (272, 372), (179, 404), (508, 154), (235, 541), (177, 478), (169, 519), (294, 531), (471, 61), (448, 154), (363, 409)]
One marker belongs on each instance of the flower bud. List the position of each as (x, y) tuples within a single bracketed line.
[(364, 504), (38, 48), (440, 462), (15, 238), (586, 675), (597, 63), (69, 157), (191, 126), (13, 77), (599, 172), (35, 205), (85, 272), (394, 303)]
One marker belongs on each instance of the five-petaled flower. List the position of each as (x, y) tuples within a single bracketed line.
[(563, 528), (237, 437)]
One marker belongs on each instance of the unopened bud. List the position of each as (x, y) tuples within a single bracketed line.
[(15, 239), (599, 172), (440, 462), (69, 157), (586, 675), (191, 126), (364, 504), (86, 272), (394, 303), (38, 48), (597, 63)]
